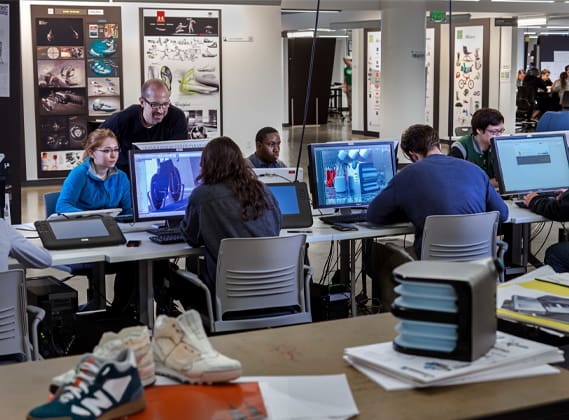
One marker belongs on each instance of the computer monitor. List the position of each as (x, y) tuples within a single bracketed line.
[(161, 182), (531, 162), (170, 144), (349, 174)]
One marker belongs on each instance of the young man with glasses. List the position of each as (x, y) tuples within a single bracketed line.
[(486, 123), (153, 119)]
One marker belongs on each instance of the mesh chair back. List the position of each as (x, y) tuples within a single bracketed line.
[(462, 131)]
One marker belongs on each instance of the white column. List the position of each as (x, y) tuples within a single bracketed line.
[(402, 70)]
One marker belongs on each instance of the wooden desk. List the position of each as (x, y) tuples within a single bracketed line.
[(314, 349)]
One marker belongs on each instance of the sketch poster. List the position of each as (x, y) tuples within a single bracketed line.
[(467, 73), (373, 80), (183, 48)]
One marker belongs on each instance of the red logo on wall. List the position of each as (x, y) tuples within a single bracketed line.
[(160, 16)]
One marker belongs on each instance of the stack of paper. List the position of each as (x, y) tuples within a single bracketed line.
[(510, 357)]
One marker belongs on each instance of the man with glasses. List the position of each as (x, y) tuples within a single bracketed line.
[(486, 123), (433, 184), (153, 119)]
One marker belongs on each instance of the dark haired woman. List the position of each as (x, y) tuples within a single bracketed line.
[(230, 203)]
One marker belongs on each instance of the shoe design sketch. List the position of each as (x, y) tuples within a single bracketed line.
[(101, 389), (189, 84), (180, 27), (207, 67), (111, 344), (166, 76), (99, 105), (102, 67), (209, 79), (208, 53), (102, 47), (182, 351), (49, 35)]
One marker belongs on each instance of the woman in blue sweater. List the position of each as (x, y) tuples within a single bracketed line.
[(96, 183)]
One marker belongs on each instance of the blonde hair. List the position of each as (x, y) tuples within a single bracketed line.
[(95, 139)]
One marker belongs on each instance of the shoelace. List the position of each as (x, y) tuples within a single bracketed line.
[(84, 377)]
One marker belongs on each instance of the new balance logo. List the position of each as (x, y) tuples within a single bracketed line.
[(95, 405)]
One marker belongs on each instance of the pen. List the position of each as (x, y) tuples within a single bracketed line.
[(299, 231)]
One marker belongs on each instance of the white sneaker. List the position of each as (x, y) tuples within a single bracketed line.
[(110, 345), (182, 351)]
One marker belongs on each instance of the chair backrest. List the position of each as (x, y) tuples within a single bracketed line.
[(460, 237), (265, 274), (462, 131), (49, 202), (14, 337)]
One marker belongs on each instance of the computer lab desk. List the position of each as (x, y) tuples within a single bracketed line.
[(316, 349), (148, 252)]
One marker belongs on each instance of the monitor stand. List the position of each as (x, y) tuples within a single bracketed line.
[(169, 224)]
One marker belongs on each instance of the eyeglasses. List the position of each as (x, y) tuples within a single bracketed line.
[(496, 132), (109, 150), (156, 105)]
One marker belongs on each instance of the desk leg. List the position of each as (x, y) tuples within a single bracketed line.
[(98, 285), (353, 277), (519, 249), (146, 293)]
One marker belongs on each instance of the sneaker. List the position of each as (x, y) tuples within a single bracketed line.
[(101, 389), (183, 352), (110, 345)]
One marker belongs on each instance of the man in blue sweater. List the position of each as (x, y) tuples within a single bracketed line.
[(433, 184)]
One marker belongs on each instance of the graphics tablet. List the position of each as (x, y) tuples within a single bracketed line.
[(294, 204), (79, 233), (86, 213)]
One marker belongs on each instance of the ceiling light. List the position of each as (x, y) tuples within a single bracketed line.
[(309, 11), (530, 33), (300, 34), (523, 1), (554, 33), (535, 21)]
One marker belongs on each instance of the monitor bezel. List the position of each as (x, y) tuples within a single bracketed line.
[(498, 167), (317, 201), (133, 186)]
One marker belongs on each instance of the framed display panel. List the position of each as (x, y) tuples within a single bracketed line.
[(183, 48), (470, 63), (78, 73), (432, 72), (372, 77)]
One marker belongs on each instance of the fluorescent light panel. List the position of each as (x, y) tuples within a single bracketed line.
[(536, 21), (523, 1), (308, 11)]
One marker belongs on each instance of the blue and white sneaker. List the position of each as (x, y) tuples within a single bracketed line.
[(102, 389)]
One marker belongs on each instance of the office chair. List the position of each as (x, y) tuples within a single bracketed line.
[(14, 328), (462, 131), (260, 282), (525, 105), (462, 237)]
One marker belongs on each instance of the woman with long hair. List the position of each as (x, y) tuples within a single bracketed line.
[(560, 86), (230, 203)]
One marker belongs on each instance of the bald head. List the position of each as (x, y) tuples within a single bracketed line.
[(155, 101)]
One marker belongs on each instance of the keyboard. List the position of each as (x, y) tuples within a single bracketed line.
[(167, 238), (345, 218), (520, 203), (164, 231)]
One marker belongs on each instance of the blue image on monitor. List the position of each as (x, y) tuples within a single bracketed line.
[(286, 197), (162, 181), (349, 174)]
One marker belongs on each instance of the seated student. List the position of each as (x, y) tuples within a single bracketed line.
[(557, 256), (268, 146), (555, 120), (13, 244), (486, 123), (229, 203), (98, 184), (433, 184)]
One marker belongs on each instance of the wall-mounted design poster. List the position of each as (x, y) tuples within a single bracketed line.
[(183, 48), (78, 69), (430, 76), (468, 73), (373, 73), (4, 50)]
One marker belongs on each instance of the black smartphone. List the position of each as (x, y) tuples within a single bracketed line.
[(133, 244), (344, 227)]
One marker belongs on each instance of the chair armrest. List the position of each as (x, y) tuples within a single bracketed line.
[(37, 314), (196, 281)]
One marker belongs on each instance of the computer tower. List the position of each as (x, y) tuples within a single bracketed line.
[(329, 302), (56, 333)]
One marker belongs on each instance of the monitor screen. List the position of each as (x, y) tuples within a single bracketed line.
[(90, 228), (162, 181), (349, 174), (531, 162)]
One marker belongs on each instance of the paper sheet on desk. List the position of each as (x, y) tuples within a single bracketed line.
[(392, 384), (317, 397)]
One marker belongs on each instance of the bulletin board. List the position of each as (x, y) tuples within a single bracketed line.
[(183, 48), (78, 73)]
